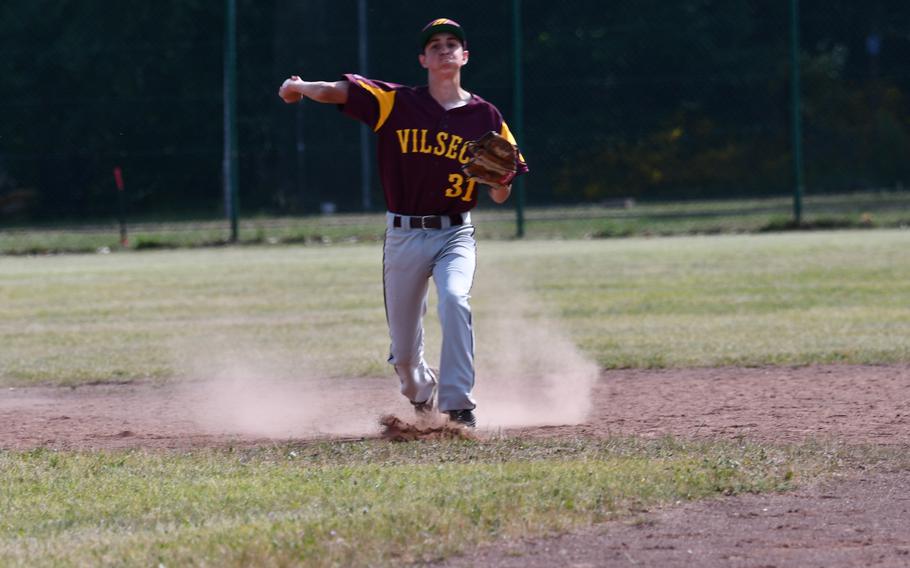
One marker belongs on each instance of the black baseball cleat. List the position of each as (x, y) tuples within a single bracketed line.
[(463, 417)]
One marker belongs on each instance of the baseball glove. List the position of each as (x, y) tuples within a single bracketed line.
[(493, 160)]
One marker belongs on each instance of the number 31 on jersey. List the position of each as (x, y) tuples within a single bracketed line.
[(457, 188)]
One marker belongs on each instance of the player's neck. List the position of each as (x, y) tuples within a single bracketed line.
[(447, 91)]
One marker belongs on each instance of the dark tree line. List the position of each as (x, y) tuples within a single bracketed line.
[(651, 99)]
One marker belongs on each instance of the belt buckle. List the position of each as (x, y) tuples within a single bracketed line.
[(423, 221)]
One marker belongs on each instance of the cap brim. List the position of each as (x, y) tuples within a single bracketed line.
[(438, 29)]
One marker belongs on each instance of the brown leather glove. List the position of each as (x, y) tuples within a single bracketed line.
[(493, 160)]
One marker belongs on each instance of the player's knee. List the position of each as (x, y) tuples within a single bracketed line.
[(453, 295), (451, 301)]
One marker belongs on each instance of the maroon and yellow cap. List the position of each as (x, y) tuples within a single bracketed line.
[(440, 25)]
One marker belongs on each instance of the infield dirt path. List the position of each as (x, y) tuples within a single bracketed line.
[(860, 519)]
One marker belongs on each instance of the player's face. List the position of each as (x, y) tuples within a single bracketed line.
[(443, 52)]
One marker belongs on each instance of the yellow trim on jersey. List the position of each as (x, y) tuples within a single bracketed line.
[(507, 134), (386, 100)]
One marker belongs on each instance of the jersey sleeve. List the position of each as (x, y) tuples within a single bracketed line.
[(504, 131), (369, 101)]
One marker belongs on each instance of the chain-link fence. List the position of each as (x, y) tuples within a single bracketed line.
[(647, 100)]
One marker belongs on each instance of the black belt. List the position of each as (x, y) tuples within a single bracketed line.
[(428, 222)]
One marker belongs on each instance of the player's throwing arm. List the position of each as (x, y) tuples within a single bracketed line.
[(295, 89)]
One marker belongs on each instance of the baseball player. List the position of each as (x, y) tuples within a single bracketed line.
[(424, 147)]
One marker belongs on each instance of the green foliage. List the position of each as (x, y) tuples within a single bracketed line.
[(647, 99)]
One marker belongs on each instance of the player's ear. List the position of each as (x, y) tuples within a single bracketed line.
[(465, 56), (423, 60)]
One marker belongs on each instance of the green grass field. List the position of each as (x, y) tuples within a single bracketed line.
[(364, 504), (789, 298), (785, 298)]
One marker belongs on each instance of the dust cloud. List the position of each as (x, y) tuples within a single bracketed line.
[(529, 372), (264, 393)]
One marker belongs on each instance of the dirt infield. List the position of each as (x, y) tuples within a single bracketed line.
[(852, 404), (858, 520)]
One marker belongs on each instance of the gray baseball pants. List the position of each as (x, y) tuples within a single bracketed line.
[(410, 258)]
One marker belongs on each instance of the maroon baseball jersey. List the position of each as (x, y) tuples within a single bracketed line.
[(421, 146)]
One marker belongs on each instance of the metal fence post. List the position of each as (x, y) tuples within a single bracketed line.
[(362, 54), (518, 111), (230, 118), (796, 127)]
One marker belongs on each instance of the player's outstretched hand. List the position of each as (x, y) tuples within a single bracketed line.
[(289, 92)]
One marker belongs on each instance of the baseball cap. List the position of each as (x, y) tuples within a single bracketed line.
[(440, 25)]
